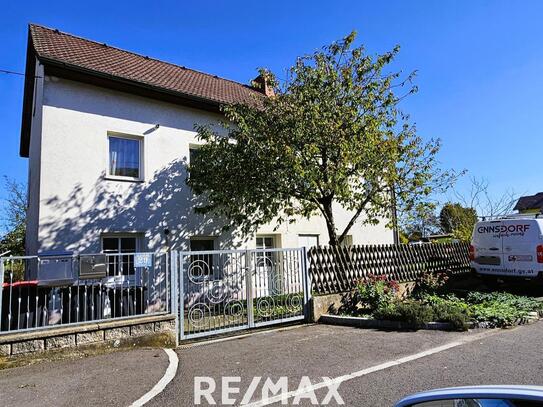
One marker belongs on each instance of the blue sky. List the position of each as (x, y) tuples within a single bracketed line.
[(480, 63)]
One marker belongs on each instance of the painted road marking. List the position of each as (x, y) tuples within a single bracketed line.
[(341, 379), (162, 383)]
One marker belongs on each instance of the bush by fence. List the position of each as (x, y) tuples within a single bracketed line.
[(336, 269)]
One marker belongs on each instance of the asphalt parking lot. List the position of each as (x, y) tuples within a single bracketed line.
[(375, 368)]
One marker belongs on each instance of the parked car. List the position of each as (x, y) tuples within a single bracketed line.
[(477, 396), (508, 247)]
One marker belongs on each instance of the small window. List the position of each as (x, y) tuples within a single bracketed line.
[(265, 258), (193, 153), (348, 241), (198, 244), (202, 264), (308, 241), (125, 157), (265, 242), (121, 249)]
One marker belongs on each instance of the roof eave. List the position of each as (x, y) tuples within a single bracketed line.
[(90, 73), (28, 98), (74, 72)]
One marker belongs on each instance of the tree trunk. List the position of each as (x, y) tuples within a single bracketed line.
[(330, 223)]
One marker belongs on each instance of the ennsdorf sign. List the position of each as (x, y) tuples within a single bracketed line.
[(521, 228)]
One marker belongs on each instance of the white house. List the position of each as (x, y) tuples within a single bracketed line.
[(108, 134)]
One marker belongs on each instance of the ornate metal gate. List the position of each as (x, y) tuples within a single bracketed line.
[(227, 290)]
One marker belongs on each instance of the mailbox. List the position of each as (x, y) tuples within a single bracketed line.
[(92, 267)]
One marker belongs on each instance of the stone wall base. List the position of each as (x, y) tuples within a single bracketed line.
[(148, 330)]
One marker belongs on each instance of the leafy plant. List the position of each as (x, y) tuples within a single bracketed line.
[(375, 292), (501, 309), (429, 283), (496, 314)]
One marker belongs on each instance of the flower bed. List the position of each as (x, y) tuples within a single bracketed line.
[(375, 298)]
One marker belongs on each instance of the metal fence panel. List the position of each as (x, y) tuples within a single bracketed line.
[(83, 288)]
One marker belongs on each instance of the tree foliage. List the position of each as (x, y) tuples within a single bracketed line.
[(458, 220), (419, 222), (13, 219), (333, 135)]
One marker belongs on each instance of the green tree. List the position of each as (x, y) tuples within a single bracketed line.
[(457, 220), (420, 222), (13, 219), (331, 135)]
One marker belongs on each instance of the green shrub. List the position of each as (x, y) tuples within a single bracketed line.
[(429, 283), (501, 309), (519, 302), (495, 314), (376, 292), (413, 312)]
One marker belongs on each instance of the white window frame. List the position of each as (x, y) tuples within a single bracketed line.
[(141, 166), (120, 235), (124, 235), (348, 241), (301, 235), (274, 241)]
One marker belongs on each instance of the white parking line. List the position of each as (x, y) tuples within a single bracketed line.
[(162, 383), (340, 379)]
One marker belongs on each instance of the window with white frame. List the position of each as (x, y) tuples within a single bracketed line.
[(308, 241), (265, 242), (348, 241), (121, 249), (125, 157), (265, 258)]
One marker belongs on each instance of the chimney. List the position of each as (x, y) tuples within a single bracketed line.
[(261, 84)]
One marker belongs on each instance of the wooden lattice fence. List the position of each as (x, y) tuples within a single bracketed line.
[(337, 269)]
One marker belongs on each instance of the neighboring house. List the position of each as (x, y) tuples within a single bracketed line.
[(530, 203), (108, 134)]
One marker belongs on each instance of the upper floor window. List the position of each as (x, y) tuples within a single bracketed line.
[(125, 157), (193, 153)]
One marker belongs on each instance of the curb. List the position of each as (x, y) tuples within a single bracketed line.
[(371, 323)]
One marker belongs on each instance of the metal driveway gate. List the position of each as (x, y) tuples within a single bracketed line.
[(228, 290)]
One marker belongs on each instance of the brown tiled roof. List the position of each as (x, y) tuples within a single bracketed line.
[(53, 45), (530, 202)]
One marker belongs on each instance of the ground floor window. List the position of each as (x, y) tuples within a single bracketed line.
[(308, 241), (348, 241), (120, 250), (265, 242), (202, 265)]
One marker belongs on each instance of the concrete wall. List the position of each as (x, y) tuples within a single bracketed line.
[(78, 203)]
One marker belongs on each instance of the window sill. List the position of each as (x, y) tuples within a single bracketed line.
[(123, 179)]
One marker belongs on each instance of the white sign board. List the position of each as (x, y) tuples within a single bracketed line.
[(143, 259)]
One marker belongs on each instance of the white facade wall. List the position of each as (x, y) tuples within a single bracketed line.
[(78, 203)]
